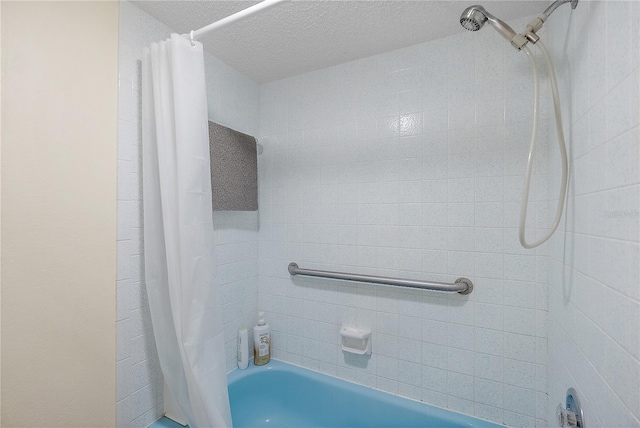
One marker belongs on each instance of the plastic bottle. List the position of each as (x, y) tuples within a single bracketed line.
[(243, 348), (261, 342)]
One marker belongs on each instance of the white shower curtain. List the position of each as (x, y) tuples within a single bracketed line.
[(178, 231)]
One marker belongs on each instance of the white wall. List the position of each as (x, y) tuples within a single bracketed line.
[(594, 282), (139, 397), (59, 101), (409, 164), (233, 101)]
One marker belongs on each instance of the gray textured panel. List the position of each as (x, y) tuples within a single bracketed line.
[(234, 169)]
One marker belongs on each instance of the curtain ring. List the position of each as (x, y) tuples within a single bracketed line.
[(193, 43)]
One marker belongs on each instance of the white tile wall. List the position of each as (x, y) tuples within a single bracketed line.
[(409, 164), (594, 281), (233, 101)]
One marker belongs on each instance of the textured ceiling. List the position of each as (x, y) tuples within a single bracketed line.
[(300, 36)]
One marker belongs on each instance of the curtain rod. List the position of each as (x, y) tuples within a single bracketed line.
[(264, 5)]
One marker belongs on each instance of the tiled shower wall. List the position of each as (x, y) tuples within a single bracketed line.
[(233, 101), (409, 164), (594, 282)]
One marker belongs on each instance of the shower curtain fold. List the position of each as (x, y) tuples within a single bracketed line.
[(178, 231)]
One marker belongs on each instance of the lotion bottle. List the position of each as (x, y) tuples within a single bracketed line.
[(243, 348), (261, 342)]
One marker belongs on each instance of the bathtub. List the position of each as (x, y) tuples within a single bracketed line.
[(283, 395)]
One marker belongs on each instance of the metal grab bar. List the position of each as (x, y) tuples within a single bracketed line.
[(462, 285)]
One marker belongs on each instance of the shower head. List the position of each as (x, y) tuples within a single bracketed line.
[(474, 17)]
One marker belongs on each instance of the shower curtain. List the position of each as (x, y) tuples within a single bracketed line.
[(178, 231)]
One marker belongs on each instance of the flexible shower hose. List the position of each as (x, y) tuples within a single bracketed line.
[(561, 143)]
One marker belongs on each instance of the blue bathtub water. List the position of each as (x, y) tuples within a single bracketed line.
[(282, 395)]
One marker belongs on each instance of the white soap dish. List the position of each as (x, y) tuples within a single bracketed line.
[(356, 340)]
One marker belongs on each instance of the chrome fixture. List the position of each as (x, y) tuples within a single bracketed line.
[(474, 17), (572, 416), (548, 11), (461, 285)]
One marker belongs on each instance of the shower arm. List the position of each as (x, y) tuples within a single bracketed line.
[(529, 34), (556, 4)]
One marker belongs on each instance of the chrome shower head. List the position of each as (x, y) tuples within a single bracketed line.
[(474, 17)]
